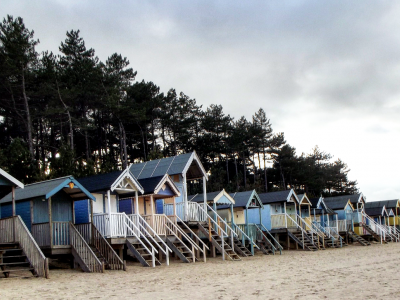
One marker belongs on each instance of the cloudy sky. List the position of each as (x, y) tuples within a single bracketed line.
[(326, 72)]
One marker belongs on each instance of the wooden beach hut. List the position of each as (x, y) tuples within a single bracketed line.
[(241, 217), (184, 169), (378, 216), (47, 209), (18, 251), (327, 221), (135, 225), (280, 217), (215, 222)]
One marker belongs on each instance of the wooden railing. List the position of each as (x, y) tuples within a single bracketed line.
[(84, 252), (85, 230), (193, 211), (117, 226), (278, 221), (271, 238), (114, 262), (13, 229), (41, 233), (61, 234), (157, 222), (7, 230), (197, 239), (341, 225)]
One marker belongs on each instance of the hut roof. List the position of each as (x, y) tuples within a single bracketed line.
[(376, 211), (245, 199), (213, 197), (7, 179), (154, 184), (48, 188), (340, 202), (188, 164), (387, 203), (275, 197), (103, 182)]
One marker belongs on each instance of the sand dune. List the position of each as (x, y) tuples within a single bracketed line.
[(353, 272)]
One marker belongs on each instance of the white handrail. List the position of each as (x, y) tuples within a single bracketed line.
[(246, 236), (381, 231), (269, 233), (223, 221), (317, 231), (155, 234), (139, 239), (298, 226), (184, 234), (191, 231)]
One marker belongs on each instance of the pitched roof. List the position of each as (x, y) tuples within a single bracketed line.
[(381, 203), (10, 179), (314, 202), (188, 163), (104, 182), (153, 184), (337, 203), (376, 211), (213, 197), (99, 182), (274, 197), (47, 189)]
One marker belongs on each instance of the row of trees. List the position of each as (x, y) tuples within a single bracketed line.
[(70, 113)]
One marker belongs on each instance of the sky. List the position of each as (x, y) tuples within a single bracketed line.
[(327, 73)]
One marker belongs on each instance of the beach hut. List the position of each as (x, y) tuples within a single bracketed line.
[(241, 217), (135, 225), (182, 169), (280, 217), (346, 218), (18, 252), (216, 226), (327, 221), (186, 168), (48, 212), (378, 220)]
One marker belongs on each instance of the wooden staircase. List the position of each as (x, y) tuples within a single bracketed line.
[(143, 255), (303, 240), (356, 238), (14, 260), (240, 249), (83, 253), (374, 234), (181, 249), (265, 247), (217, 242)]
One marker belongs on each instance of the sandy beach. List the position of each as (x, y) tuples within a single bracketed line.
[(353, 272)]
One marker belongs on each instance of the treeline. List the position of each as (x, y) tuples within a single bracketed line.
[(70, 113)]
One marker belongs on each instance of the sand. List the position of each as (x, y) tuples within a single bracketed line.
[(352, 272)]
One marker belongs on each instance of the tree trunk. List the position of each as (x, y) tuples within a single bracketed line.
[(71, 132), (28, 116), (244, 171), (237, 174), (124, 155)]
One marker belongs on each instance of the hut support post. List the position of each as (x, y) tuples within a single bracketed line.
[(205, 193), (185, 199), (13, 210), (50, 223), (109, 212), (152, 211), (136, 203)]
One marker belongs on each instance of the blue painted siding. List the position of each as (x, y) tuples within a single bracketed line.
[(159, 206), (40, 211), (166, 192), (23, 208), (61, 208), (125, 205), (82, 211), (254, 216)]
